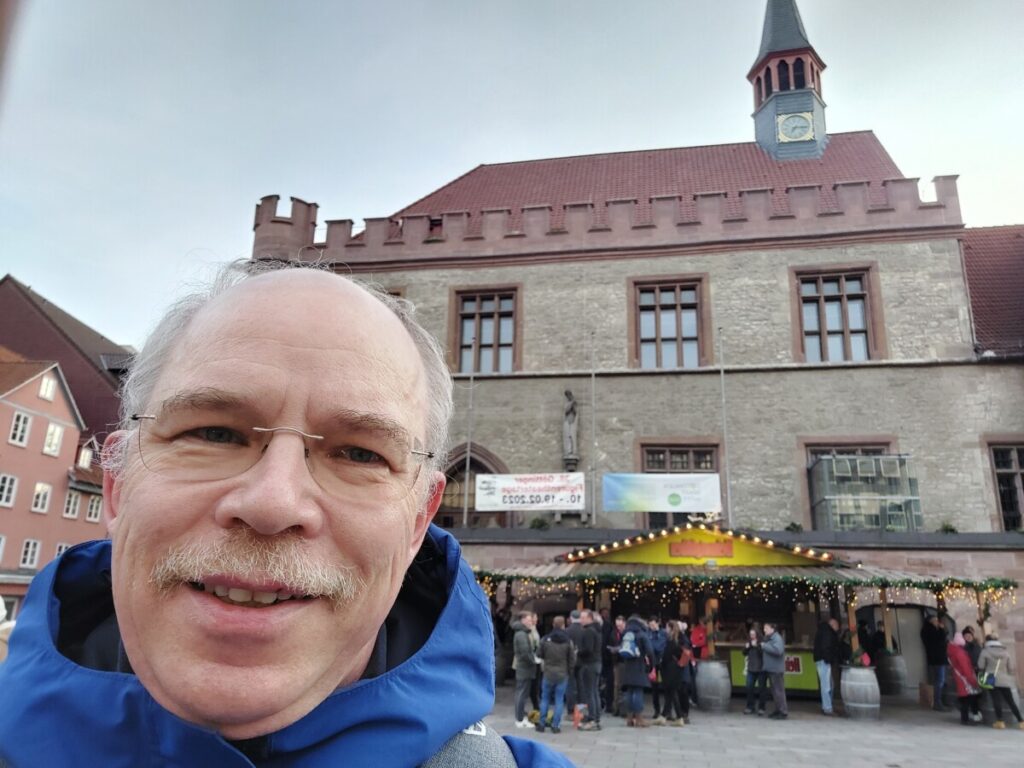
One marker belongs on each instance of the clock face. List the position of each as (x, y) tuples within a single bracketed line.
[(795, 127)]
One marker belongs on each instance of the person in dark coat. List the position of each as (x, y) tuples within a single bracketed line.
[(757, 678), (635, 668), (676, 707), (774, 654), (558, 658), (933, 636), (525, 663), (826, 659), (972, 646)]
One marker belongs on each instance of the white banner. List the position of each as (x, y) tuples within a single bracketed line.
[(696, 492), (555, 491)]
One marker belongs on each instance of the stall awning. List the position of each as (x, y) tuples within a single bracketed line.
[(824, 575)]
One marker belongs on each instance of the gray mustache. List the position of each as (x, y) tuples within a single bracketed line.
[(245, 555)]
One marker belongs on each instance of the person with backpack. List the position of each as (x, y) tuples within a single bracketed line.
[(635, 654), (558, 657), (996, 673)]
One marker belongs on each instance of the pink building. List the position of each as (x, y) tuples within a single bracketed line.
[(50, 492)]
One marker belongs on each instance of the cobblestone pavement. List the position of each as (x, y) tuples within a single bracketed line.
[(906, 737)]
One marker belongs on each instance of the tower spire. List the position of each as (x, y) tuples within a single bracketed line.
[(789, 114)]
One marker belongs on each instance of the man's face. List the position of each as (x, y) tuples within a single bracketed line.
[(586, 618), (529, 622), (295, 349), (769, 630), (652, 625), (620, 624), (968, 637), (834, 624)]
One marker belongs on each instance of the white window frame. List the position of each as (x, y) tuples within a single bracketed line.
[(95, 509), (44, 491), (48, 387), (21, 425), (62, 547), (85, 457), (30, 554), (3, 540), (8, 490), (72, 503), (54, 437)]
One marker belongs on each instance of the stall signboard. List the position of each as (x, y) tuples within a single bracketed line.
[(800, 675), (697, 492), (560, 491)]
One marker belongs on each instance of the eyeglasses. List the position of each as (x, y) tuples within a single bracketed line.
[(200, 447)]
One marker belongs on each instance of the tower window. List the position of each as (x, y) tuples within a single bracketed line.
[(768, 82), (783, 76), (758, 96), (799, 79)]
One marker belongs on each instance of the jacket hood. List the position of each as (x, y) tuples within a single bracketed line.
[(402, 716), (994, 644)]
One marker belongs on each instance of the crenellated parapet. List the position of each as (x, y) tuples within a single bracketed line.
[(661, 221)]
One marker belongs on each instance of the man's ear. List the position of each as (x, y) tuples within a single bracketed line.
[(429, 510), (113, 466)]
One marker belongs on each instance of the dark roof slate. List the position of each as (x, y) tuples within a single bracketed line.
[(684, 171), (783, 28), (994, 261)]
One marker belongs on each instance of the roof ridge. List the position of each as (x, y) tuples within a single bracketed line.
[(443, 186)]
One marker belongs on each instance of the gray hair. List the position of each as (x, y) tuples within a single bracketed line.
[(146, 367)]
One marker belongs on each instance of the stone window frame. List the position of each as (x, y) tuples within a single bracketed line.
[(678, 442), (806, 443), (21, 427), (460, 292), (705, 328), (94, 511), (8, 489), (989, 443), (878, 348), (30, 553), (456, 464)]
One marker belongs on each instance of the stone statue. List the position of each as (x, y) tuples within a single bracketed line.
[(570, 431)]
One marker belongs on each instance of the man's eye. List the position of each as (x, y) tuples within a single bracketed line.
[(219, 435), (361, 455)]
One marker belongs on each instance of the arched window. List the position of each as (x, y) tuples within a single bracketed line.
[(758, 97), (783, 76), (767, 82), (460, 492), (799, 80)]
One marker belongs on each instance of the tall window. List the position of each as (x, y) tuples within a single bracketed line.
[(30, 553), (85, 457), (487, 331), (834, 317), (461, 492), (1008, 461), (71, 503), (41, 498), (48, 387), (62, 547), (54, 436), (8, 489), (19, 429), (676, 459), (668, 324), (92, 514)]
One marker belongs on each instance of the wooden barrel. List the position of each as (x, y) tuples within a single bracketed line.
[(714, 688), (892, 677), (859, 689)]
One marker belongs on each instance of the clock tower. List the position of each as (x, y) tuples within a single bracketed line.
[(789, 115)]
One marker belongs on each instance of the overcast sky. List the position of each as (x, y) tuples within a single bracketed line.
[(136, 137)]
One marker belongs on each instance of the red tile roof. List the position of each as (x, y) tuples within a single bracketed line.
[(14, 374), (683, 171), (994, 258)]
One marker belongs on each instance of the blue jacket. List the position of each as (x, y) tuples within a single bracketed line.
[(57, 713)]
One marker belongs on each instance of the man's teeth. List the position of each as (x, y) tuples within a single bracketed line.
[(240, 596)]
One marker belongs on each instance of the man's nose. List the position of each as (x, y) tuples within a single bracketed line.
[(277, 494)]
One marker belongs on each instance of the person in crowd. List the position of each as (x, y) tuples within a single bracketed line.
[(635, 653), (618, 692), (864, 635), (673, 667), (995, 659), (272, 591), (535, 687), (967, 690), (933, 636), (658, 640), (845, 647), (699, 639), (524, 662), (773, 651), (574, 631), (557, 657), (878, 646), (588, 670), (757, 678), (610, 637), (826, 659), (691, 695), (972, 646)]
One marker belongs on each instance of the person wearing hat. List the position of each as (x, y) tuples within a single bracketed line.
[(967, 690), (972, 646), (996, 659)]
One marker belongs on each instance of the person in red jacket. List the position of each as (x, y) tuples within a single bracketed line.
[(967, 690), (699, 639)]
